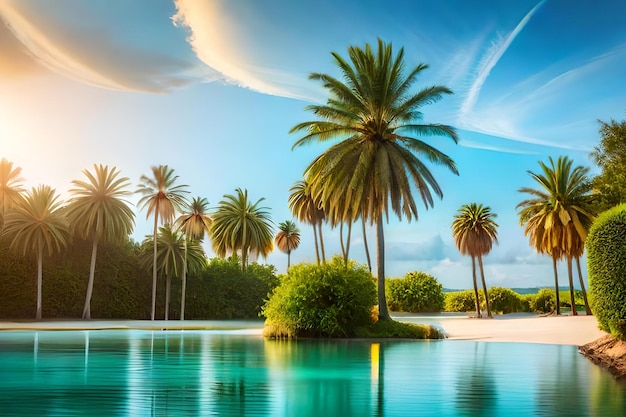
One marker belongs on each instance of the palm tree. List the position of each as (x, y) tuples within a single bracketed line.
[(562, 208), (194, 223), (162, 199), (378, 162), (241, 227), (173, 254), (38, 224), (287, 239), (98, 212), (475, 232), (10, 187), (307, 210)]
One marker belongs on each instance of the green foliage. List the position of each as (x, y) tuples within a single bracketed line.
[(224, 291), (463, 301), (606, 264), (504, 300), (416, 292), (396, 329), (542, 302), (610, 156), (327, 300)]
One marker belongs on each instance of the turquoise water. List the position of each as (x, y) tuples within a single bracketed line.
[(206, 373)]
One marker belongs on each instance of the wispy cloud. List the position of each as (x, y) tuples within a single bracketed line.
[(212, 38), (475, 145), (491, 59), (95, 57)]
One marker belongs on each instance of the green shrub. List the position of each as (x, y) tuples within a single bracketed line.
[(462, 301), (327, 300), (542, 302), (606, 263), (504, 300), (396, 329), (416, 292)]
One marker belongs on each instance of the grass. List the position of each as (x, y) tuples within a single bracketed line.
[(394, 329)]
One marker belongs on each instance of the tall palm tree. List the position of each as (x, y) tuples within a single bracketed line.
[(307, 210), (287, 239), (98, 212), (171, 257), (475, 231), (562, 208), (38, 224), (241, 227), (162, 199), (10, 187), (195, 223), (378, 162)]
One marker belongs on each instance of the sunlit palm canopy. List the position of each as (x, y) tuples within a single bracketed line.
[(302, 204), (195, 221), (160, 195), (98, 208), (288, 236), (558, 216), (474, 229), (37, 220), (239, 225), (378, 162), (10, 186)]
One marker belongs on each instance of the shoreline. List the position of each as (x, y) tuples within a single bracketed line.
[(564, 330)]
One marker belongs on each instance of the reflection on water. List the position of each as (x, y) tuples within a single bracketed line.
[(201, 373)]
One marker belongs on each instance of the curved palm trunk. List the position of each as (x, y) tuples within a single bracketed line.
[(482, 276), (317, 249), (367, 250), (184, 288), (39, 278), (582, 287), (383, 313), (343, 247), (477, 298), (154, 268), (571, 286), (168, 286), (319, 225), (556, 286), (92, 272), (348, 243)]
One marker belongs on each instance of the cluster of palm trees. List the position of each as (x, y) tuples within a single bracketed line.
[(37, 221)]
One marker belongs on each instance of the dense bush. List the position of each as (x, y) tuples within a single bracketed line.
[(223, 291), (542, 302), (462, 301), (416, 292), (327, 300), (504, 300), (606, 263)]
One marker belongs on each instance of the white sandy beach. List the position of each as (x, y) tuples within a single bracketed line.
[(565, 330)]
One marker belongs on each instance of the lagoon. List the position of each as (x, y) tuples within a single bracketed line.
[(238, 373)]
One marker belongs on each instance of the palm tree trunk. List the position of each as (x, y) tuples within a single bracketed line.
[(477, 298), (184, 288), (92, 272), (348, 243), (39, 278), (571, 285), (383, 313), (168, 286), (556, 286), (582, 287), (154, 267), (343, 248), (317, 249), (367, 250), (482, 276), (319, 225), (288, 260)]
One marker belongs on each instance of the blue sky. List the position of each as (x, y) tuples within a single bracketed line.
[(212, 88)]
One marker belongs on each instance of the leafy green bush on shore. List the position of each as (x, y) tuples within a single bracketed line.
[(416, 292), (606, 264), (327, 300)]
